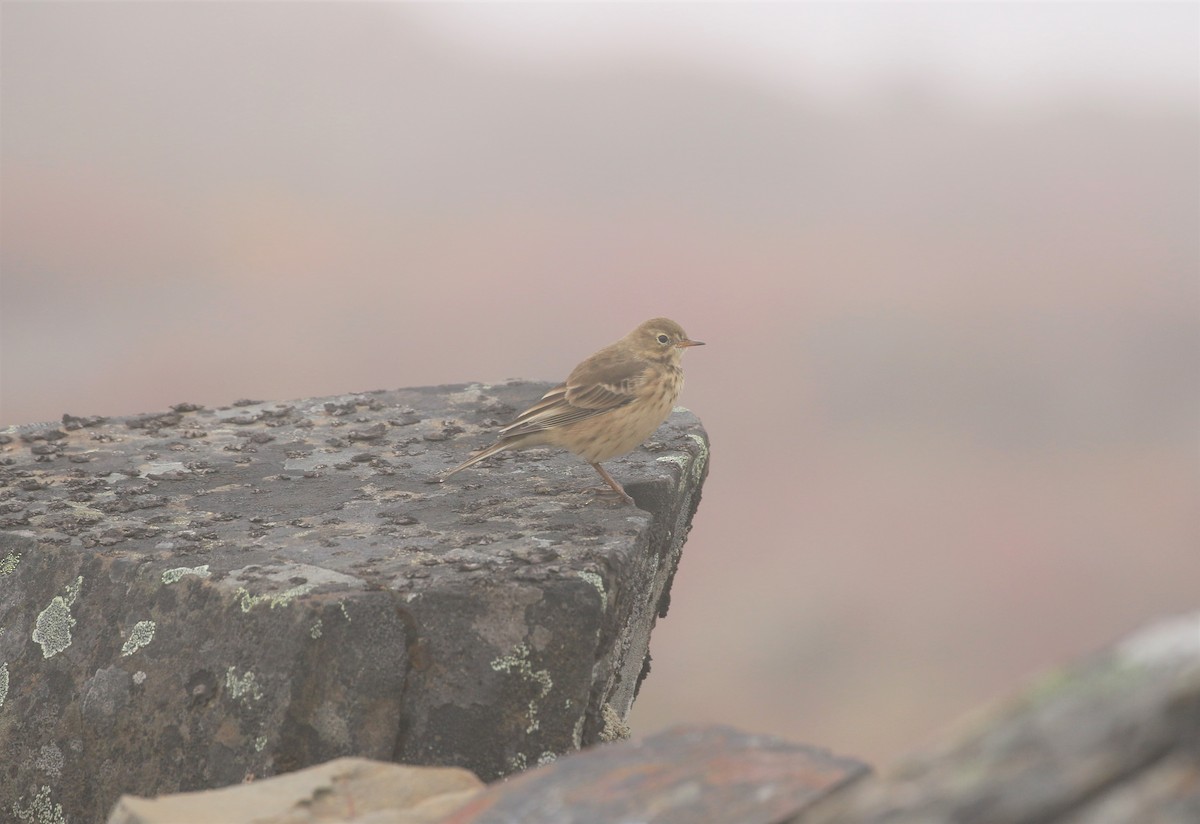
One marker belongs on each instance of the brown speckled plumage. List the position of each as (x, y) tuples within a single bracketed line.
[(610, 402)]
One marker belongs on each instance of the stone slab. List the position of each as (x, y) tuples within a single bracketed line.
[(193, 598), (345, 789)]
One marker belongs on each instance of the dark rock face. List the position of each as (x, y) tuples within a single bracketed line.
[(194, 598)]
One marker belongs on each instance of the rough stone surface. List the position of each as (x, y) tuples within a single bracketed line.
[(1113, 740), (193, 598), (345, 789), (681, 776)]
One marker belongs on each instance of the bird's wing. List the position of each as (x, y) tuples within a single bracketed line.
[(598, 385)]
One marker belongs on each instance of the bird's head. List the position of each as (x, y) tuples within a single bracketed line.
[(662, 338)]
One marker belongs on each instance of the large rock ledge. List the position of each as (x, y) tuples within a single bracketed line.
[(200, 597)]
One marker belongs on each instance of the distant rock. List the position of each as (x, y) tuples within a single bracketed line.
[(1113, 739)]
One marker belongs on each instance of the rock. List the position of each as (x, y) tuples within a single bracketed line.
[(345, 789), (1114, 739), (219, 594), (682, 776)]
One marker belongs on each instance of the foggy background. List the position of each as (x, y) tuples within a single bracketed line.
[(946, 258)]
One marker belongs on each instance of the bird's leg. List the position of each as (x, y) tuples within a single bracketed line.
[(611, 481)]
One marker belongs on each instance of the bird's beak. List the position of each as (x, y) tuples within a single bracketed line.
[(685, 343)]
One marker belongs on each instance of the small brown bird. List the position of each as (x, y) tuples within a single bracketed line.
[(610, 403)]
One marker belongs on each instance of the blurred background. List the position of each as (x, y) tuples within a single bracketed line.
[(946, 258)]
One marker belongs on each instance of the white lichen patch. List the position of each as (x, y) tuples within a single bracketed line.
[(139, 678), (577, 732), (242, 687), (546, 758), (3, 682), (473, 395), (517, 662), (40, 809), (615, 728), (595, 580), (52, 631), (171, 576), (680, 461), (330, 723), (163, 468), (315, 630), (260, 743), (141, 634), (83, 509), (50, 760), (698, 462), (8, 564), (306, 463)]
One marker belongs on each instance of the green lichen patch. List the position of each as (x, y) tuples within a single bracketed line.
[(701, 456), (315, 630), (3, 682), (141, 634), (517, 662), (171, 576), (242, 687), (8, 564), (247, 601), (595, 580), (53, 627)]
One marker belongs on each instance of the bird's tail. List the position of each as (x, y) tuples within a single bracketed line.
[(499, 446)]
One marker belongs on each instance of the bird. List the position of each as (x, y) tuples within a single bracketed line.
[(609, 404)]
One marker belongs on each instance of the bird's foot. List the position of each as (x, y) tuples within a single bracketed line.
[(608, 494), (612, 483)]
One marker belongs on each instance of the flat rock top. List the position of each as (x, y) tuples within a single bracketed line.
[(328, 491)]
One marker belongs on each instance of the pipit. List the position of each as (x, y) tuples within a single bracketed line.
[(610, 403)]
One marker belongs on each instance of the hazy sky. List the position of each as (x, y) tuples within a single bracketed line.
[(977, 51)]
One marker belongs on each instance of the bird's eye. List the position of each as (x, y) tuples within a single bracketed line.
[(664, 340)]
